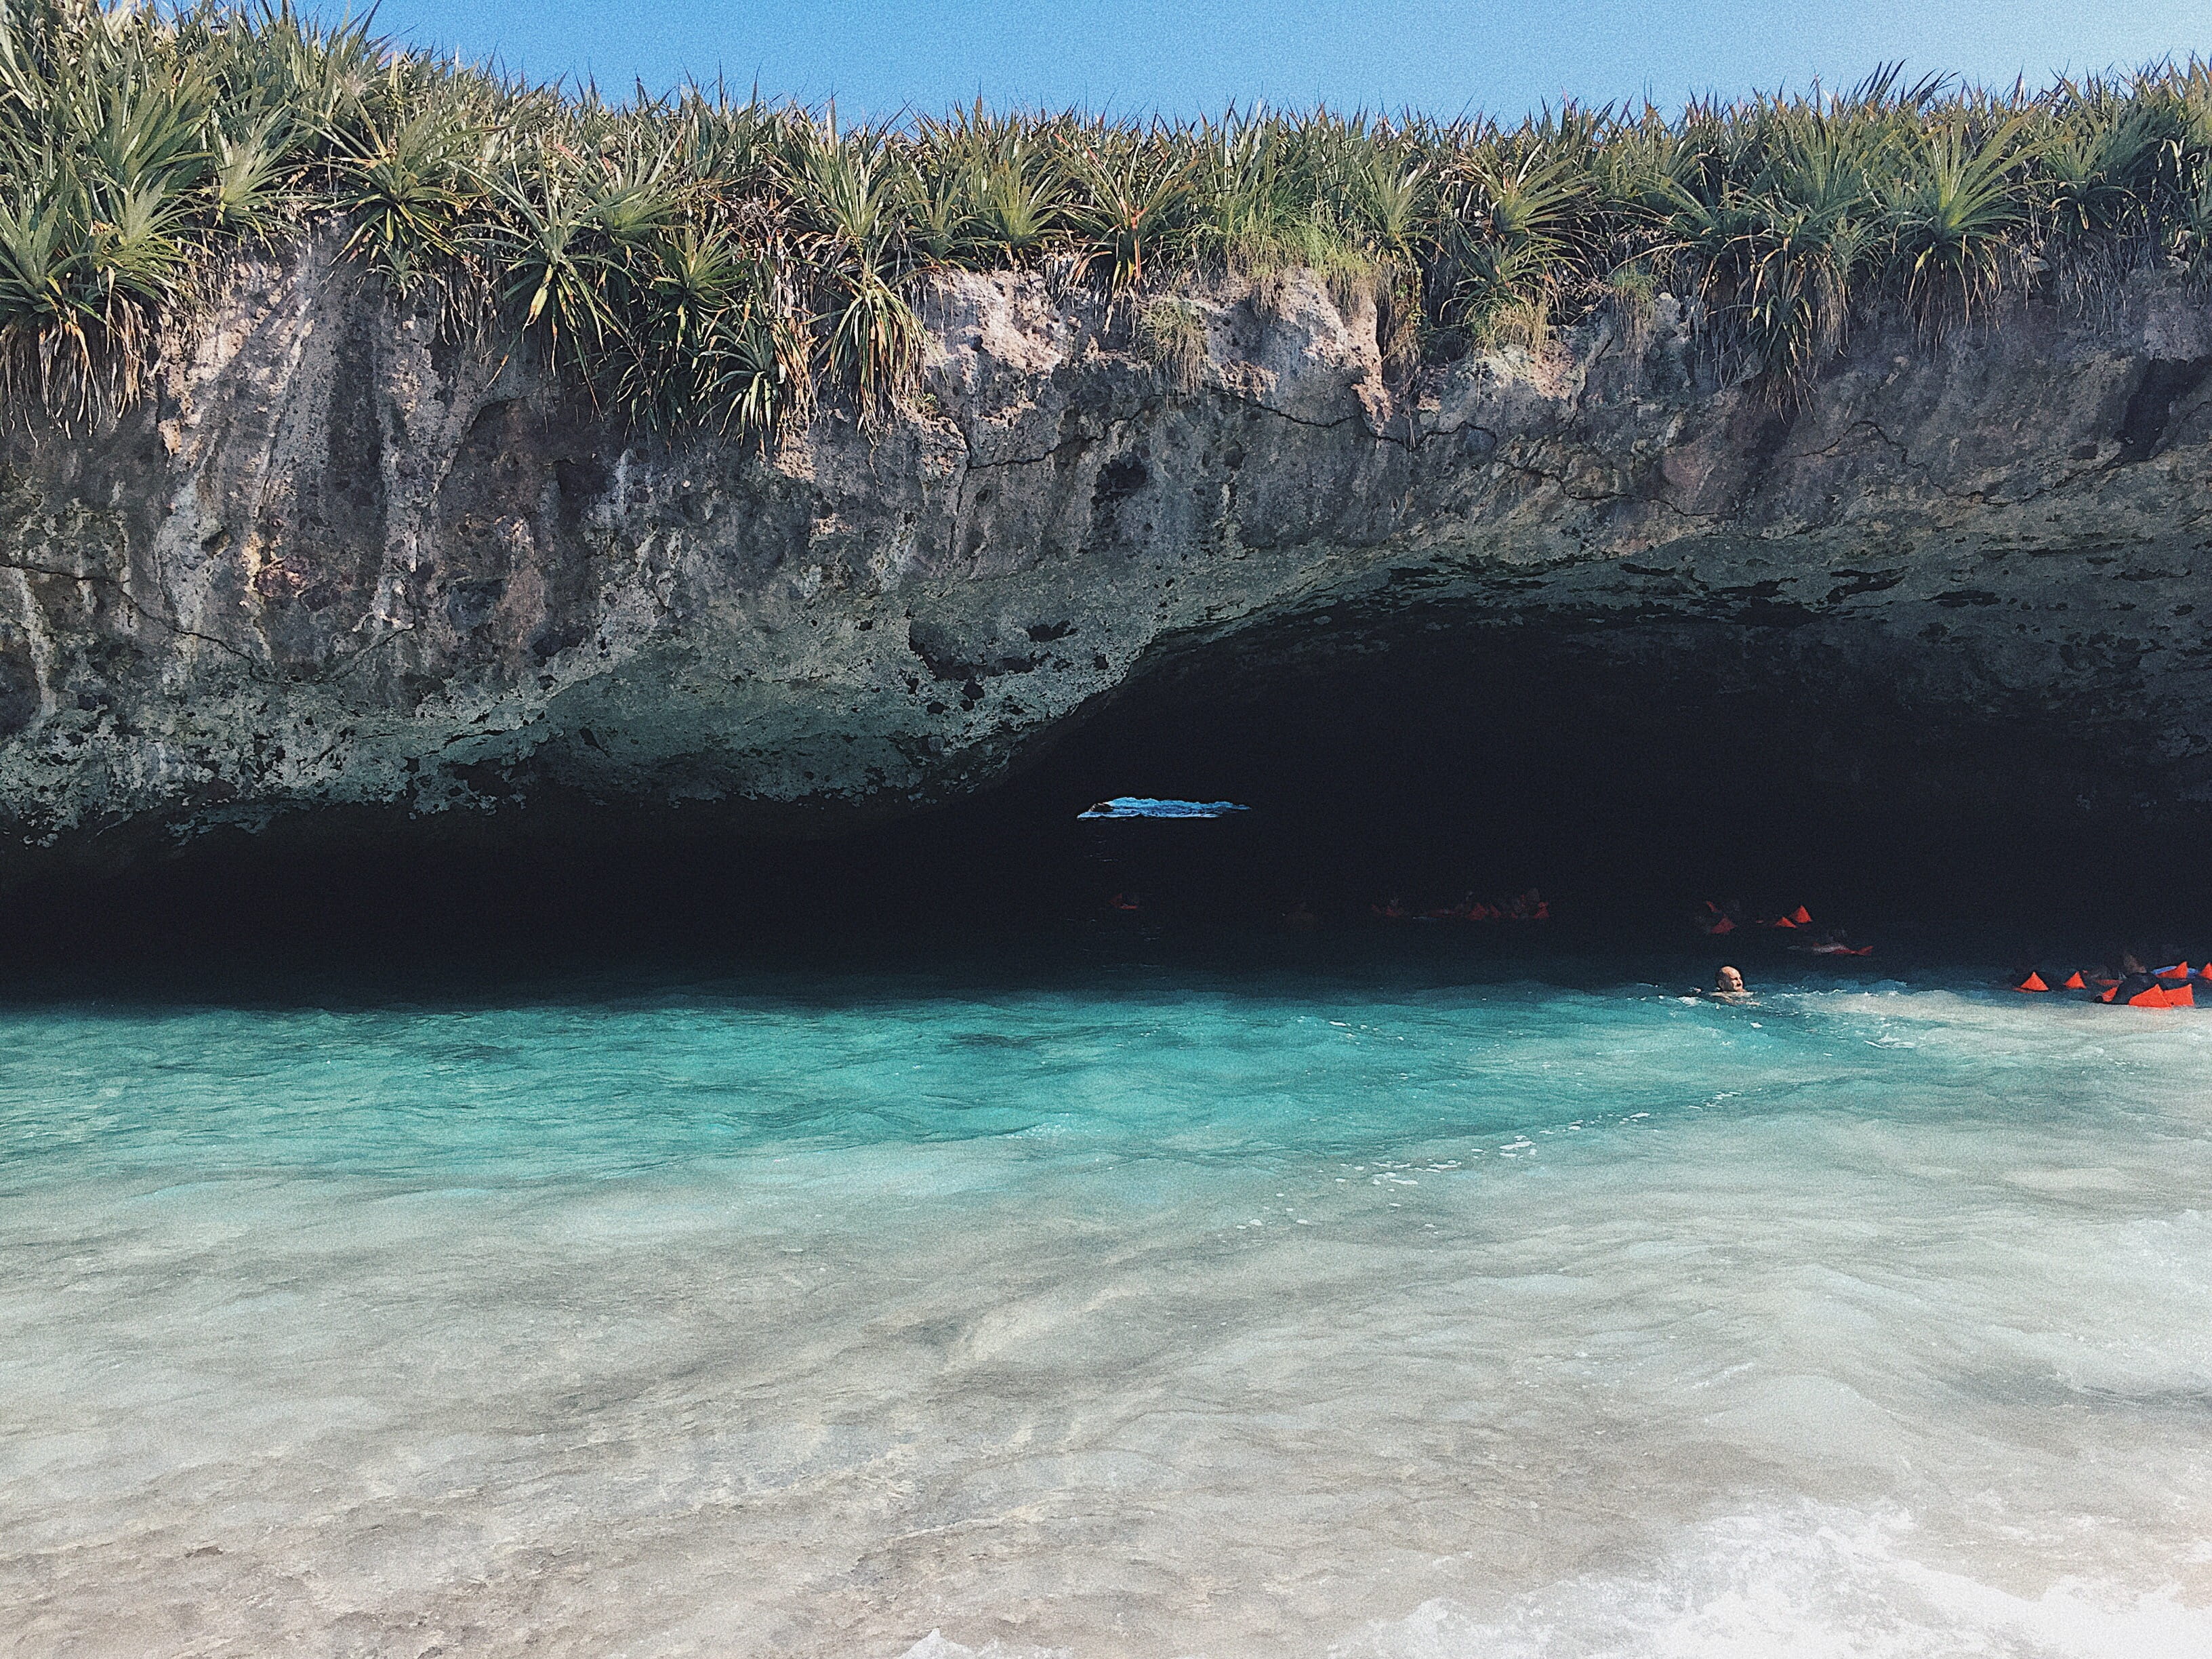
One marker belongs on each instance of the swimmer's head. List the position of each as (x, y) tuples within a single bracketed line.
[(1729, 982)]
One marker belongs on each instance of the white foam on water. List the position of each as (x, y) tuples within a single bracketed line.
[(914, 1323), (1808, 1583), (935, 1646)]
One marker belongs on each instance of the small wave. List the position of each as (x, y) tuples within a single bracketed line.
[(935, 1646), (1811, 1583)]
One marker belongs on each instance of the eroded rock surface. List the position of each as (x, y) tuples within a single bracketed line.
[(336, 567)]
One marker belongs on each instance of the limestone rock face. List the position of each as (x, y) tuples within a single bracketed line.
[(338, 570)]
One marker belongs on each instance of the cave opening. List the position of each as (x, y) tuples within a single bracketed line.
[(1628, 775)]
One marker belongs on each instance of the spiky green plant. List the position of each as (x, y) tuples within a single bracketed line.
[(247, 178), (1956, 212), (855, 240), (700, 259), (988, 189), (1258, 205), (1502, 239), (559, 262), (407, 188), (706, 340), (2098, 170), (1130, 205), (1781, 249)]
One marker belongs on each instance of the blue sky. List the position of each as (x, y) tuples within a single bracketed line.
[(1189, 57)]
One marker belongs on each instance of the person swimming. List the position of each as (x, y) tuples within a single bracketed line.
[(1729, 986), (2136, 988)]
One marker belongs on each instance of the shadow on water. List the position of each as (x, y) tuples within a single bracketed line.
[(1427, 774)]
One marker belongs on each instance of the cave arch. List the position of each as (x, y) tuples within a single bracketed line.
[(1633, 765), (1627, 768)]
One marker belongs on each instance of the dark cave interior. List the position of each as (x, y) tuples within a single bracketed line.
[(1628, 785)]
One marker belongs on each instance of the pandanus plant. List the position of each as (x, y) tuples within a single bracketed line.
[(104, 155), (1956, 211), (247, 178), (695, 259), (852, 237), (711, 342), (2099, 171), (1248, 211), (1130, 204), (1780, 255), (408, 187), (986, 189), (558, 264), (1505, 230)]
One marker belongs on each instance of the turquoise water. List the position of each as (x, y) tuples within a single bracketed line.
[(1109, 1309)]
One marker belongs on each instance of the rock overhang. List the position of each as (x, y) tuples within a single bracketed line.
[(337, 572)]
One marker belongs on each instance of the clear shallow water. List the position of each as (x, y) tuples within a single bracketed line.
[(1143, 1311)]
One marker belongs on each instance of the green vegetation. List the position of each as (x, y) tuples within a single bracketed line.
[(694, 260), (1171, 337)]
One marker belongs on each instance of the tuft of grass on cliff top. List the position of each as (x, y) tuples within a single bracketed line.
[(693, 261)]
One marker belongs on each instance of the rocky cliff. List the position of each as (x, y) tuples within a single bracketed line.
[(340, 572)]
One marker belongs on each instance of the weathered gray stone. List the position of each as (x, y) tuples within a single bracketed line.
[(337, 565)]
